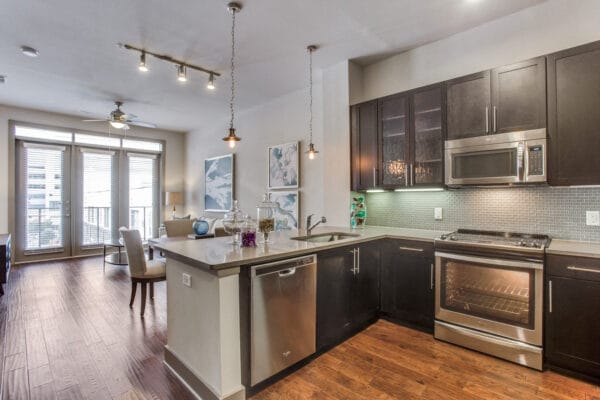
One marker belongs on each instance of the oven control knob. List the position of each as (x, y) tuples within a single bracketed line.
[(522, 243)]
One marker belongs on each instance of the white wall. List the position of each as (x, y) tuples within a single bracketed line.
[(174, 156), (535, 31), (282, 120)]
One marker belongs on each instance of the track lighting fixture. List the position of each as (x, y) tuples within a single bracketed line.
[(142, 65), (182, 66), (181, 73), (211, 82), (232, 139)]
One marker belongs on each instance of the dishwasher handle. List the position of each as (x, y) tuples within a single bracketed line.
[(287, 272)]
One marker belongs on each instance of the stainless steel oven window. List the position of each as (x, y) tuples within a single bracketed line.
[(495, 293)]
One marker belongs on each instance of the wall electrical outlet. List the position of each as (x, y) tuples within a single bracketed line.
[(437, 213), (186, 279), (592, 218)]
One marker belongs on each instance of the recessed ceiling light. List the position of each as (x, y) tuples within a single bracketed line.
[(2, 78), (29, 51)]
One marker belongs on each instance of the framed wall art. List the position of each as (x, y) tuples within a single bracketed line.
[(218, 183), (288, 206), (284, 166)]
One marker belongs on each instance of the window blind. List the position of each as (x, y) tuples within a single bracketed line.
[(44, 183), (98, 183), (143, 193)]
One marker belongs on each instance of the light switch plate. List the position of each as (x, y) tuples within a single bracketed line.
[(437, 213), (592, 218), (186, 279)]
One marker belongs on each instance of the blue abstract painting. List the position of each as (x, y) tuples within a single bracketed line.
[(218, 183), (286, 216), (283, 166)]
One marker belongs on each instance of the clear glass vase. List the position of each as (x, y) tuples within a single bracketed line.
[(232, 222), (265, 215)]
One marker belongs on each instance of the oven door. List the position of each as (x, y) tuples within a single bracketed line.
[(499, 163), (498, 296)]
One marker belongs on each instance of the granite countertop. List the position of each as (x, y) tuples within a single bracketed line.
[(219, 254), (574, 248)]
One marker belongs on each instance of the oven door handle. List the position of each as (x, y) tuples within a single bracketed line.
[(493, 261)]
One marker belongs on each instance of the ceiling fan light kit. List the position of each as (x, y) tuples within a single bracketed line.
[(120, 120)]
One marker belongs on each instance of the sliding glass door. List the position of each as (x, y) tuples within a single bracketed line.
[(43, 216), (72, 197)]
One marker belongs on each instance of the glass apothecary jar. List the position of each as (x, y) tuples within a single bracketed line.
[(232, 222), (265, 215), (248, 232)]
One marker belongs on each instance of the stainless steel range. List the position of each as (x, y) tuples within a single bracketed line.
[(489, 293)]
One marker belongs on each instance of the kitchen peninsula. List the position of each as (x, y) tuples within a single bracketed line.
[(207, 336)]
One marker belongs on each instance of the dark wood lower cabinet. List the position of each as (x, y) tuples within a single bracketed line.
[(407, 282), (347, 291), (573, 315)]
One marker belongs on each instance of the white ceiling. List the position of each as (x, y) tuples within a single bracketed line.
[(81, 71)]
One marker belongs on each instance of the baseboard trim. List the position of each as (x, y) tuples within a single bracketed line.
[(194, 383)]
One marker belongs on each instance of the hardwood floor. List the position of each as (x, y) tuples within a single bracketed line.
[(66, 332)]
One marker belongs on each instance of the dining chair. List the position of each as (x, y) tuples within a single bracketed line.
[(142, 271)]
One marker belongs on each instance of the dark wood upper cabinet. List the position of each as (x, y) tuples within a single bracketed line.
[(519, 96), (506, 99), (394, 139), (573, 116), (468, 105), (428, 132), (364, 146)]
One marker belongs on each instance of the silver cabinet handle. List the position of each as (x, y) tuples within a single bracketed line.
[(358, 259), (411, 249), (494, 119), (487, 119), (406, 173), (574, 268), (550, 297), (353, 251), (374, 176), (431, 282), (412, 176)]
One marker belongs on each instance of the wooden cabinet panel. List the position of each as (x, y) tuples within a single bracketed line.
[(365, 289), (407, 292), (573, 117), (573, 326), (519, 96), (468, 102), (334, 281), (364, 145)]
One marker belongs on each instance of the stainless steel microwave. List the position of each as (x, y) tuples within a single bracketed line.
[(505, 158)]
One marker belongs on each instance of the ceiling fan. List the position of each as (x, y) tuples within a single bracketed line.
[(120, 120)]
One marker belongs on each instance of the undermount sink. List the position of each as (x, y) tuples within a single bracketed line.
[(326, 237)]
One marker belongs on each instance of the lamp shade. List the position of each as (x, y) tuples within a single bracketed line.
[(173, 198)]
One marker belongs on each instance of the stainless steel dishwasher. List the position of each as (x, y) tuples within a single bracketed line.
[(283, 315)]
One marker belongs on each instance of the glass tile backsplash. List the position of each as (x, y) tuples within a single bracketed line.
[(555, 211)]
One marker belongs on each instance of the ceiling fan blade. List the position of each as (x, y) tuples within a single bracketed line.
[(141, 123), (94, 120)]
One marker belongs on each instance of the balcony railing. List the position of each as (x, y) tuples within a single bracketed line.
[(44, 228), (97, 222), (141, 218)]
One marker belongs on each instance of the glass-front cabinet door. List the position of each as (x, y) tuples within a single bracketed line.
[(393, 131), (428, 137)]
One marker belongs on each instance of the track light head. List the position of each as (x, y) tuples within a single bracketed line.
[(181, 73), (142, 65), (211, 82)]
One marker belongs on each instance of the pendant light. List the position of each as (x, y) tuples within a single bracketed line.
[(312, 153), (232, 139)]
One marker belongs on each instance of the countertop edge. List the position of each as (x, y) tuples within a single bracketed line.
[(221, 269)]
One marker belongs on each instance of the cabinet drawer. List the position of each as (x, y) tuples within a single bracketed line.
[(412, 247), (574, 267)]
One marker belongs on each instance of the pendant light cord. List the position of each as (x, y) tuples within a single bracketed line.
[(310, 85), (232, 67)]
